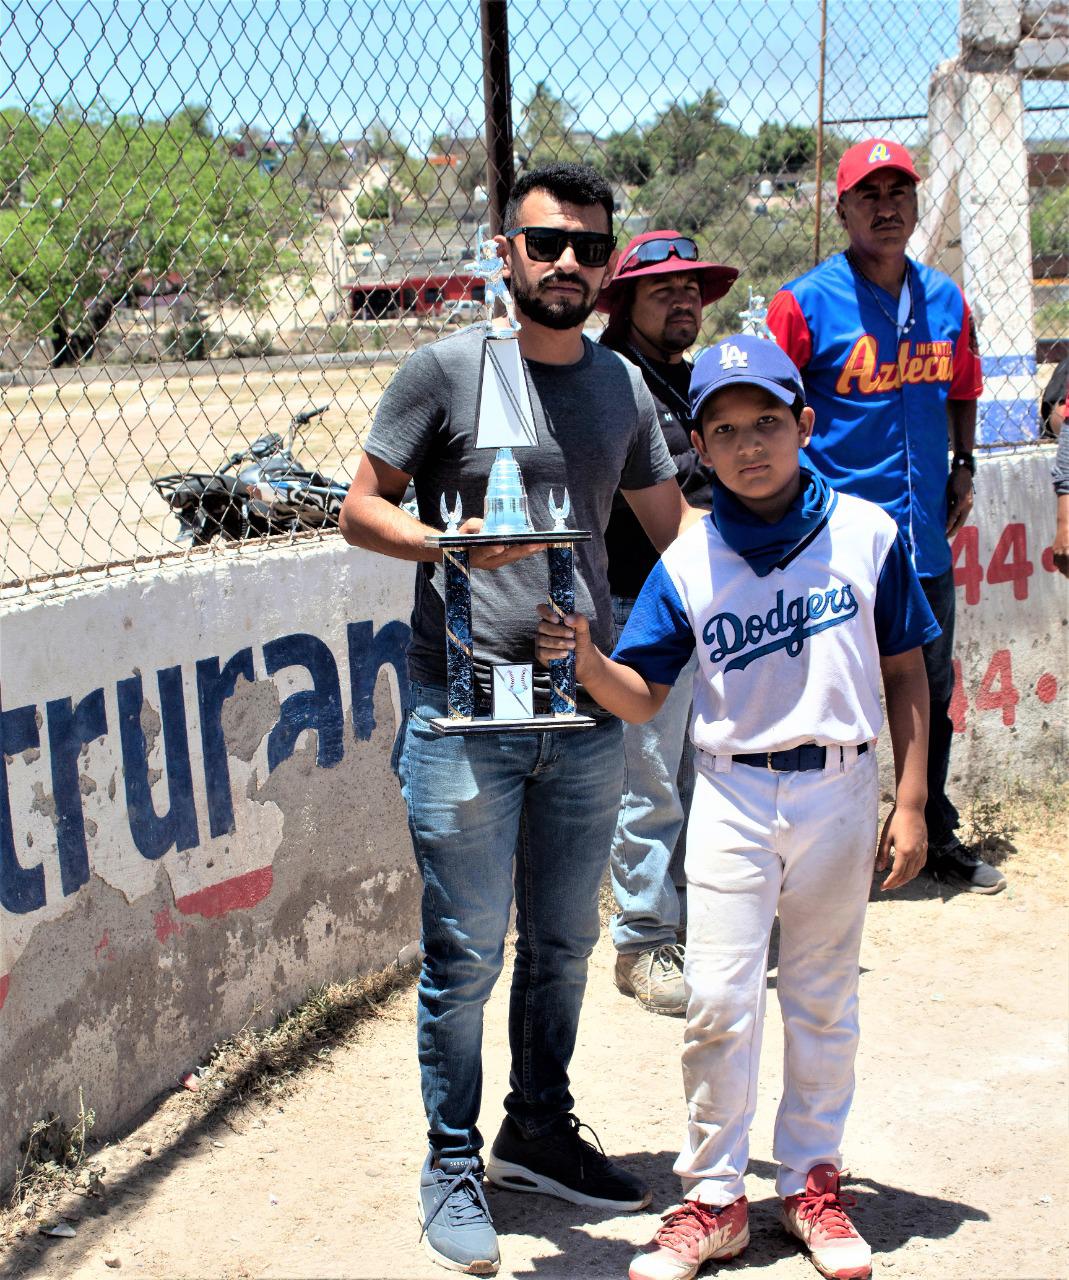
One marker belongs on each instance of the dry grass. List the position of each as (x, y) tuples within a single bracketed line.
[(54, 1155), (994, 817), (267, 1064), (60, 1164)]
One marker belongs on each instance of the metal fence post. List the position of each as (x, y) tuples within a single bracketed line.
[(497, 97)]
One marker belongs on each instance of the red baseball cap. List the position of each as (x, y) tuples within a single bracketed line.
[(675, 254), (867, 157)]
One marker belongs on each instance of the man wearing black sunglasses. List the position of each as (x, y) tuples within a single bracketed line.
[(528, 816), (654, 304)]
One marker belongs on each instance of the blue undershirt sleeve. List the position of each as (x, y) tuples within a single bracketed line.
[(904, 619), (658, 640)]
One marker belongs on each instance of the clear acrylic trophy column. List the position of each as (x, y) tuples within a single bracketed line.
[(505, 422)]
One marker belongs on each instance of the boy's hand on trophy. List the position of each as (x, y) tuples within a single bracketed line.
[(556, 637), (494, 555)]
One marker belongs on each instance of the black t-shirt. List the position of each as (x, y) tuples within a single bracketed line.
[(1053, 397), (631, 554)]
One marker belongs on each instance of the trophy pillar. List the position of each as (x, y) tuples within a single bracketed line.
[(562, 599), (459, 658)]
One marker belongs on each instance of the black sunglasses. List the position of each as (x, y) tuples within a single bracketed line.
[(546, 244), (650, 251)]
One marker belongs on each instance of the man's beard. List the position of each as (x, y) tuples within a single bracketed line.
[(673, 339), (672, 343), (552, 315)]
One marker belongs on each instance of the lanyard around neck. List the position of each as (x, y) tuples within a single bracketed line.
[(904, 320)]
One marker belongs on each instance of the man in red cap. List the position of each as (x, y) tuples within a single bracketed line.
[(890, 363), (654, 303)]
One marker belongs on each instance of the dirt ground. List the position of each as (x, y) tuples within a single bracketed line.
[(957, 1142), (79, 456)]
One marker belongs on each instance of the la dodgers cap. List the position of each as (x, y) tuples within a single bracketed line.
[(866, 157), (744, 358)]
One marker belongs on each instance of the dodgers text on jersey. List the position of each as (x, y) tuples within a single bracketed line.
[(790, 625)]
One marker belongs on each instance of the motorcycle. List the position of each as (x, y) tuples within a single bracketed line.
[(271, 493)]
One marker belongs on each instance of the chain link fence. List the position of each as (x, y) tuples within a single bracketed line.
[(217, 216)]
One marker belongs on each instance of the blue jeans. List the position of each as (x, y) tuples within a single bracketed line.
[(651, 836), (489, 814), (939, 813)]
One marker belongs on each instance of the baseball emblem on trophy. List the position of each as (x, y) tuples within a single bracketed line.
[(505, 422)]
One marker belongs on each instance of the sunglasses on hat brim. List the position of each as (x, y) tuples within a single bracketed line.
[(546, 244), (653, 251)]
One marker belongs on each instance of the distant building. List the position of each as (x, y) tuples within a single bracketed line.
[(412, 295)]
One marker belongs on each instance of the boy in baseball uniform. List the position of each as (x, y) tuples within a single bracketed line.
[(798, 599)]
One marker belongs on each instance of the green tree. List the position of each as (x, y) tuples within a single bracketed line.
[(784, 148), (769, 251), (546, 125), (197, 116), (792, 148), (373, 204), (698, 162), (469, 148), (104, 198), (1050, 223), (684, 132), (628, 158), (408, 177)]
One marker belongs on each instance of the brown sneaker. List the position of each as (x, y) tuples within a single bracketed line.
[(654, 978), (690, 1235), (818, 1219)]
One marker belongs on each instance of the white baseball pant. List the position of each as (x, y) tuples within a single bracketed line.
[(802, 844)]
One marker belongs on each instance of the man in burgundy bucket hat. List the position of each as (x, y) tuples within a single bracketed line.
[(654, 303)]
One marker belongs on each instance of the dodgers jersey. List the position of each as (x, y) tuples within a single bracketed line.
[(878, 380), (791, 657)]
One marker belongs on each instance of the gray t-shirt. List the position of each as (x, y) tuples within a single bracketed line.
[(597, 432)]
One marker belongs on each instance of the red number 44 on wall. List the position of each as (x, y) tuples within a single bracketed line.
[(1009, 561)]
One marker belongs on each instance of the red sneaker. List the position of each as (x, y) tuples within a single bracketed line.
[(691, 1234), (818, 1219)]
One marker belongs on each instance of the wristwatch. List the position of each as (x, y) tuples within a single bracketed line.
[(966, 460)]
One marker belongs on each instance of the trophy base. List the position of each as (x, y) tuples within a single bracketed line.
[(548, 537), (533, 724)]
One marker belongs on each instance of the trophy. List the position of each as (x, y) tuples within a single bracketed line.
[(754, 317), (505, 422)]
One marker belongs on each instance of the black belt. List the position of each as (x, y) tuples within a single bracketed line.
[(807, 756)]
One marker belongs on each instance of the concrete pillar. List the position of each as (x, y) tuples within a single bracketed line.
[(996, 246), (975, 222)]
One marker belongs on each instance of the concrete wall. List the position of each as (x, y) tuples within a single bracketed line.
[(1012, 644), (198, 820)]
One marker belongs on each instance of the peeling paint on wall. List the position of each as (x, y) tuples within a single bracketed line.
[(162, 751), (180, 815)]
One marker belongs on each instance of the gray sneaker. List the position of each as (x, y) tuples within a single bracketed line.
[(959, 865), (458, 1232), (654, 978)]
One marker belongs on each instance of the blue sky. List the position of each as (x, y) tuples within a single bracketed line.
[(415, 64)]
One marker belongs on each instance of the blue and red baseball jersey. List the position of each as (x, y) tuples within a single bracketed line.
[(878, 372)]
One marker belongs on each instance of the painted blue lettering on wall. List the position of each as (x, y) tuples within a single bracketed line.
[(368, 652), (69, 728), (22, 889), (213, 689), (318, 708), (72, 725), (154, 834)]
